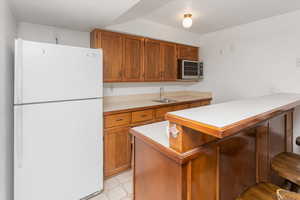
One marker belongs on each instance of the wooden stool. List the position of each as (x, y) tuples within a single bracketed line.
[(287, 165), (268, 191), (298, 141), (261, 191)]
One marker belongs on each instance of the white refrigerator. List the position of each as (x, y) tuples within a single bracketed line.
[(58, 128)]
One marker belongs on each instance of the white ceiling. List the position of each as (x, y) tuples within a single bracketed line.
[(74, 14), (208, 15), (212, 15)]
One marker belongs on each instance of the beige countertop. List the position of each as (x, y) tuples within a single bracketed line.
[(224, 118), (225, 114), (116, 103), (158, 132)]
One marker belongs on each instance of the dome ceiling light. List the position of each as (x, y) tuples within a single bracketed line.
[(187, 21)]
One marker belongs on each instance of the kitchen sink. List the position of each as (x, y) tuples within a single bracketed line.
[(164, 100)]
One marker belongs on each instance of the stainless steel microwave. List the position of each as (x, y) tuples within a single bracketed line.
[(190, 70)]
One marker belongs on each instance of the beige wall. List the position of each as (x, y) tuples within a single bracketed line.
[(254, 59)]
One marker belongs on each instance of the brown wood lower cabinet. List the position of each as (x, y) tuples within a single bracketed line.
[(117, 150), (117, 141)]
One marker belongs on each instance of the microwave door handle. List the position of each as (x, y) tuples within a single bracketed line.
[(182, 70), (200, 70)]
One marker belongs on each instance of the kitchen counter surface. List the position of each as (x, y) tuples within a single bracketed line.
[(158, 132), (117, 103), (221, 119)]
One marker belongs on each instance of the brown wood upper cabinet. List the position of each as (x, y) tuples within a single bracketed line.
[(169, 61), (187, 52), (112, 45), (160, 61), (152, 66), (122, 55), (128, 58), (133, 58)]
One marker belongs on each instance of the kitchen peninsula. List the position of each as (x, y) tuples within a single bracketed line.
[(213, 152)]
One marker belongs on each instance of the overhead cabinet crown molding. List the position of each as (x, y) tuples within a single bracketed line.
[(129, 58)]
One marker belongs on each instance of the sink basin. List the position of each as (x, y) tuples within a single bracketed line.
[(164, 100)]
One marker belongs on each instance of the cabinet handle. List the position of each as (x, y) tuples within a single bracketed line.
[(143, 115), (118, 120), (120, 73)]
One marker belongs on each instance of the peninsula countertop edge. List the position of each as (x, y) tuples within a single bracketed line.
[(225, 119)]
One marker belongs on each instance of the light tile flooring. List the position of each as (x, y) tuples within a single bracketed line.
[(117, 188)]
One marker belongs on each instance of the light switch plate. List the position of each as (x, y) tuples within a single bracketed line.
[(298, 62)]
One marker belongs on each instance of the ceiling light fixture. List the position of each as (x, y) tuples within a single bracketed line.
[(187, 21)]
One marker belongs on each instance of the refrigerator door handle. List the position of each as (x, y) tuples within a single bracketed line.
[(19, 135)]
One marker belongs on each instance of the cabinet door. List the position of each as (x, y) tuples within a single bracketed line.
[(117, 150), (112, 45), (152, 66), (187, 52), (169, 61), (133, 53)]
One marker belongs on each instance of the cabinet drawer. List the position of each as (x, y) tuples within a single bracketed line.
[(180, 107), (204, 103), (160, 112), (117, 120), (141, 116), (199, 103)]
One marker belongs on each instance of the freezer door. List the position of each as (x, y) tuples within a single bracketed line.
[(49, 72), (58, 150)]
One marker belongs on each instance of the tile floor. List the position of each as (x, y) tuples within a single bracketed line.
[(117, 188)]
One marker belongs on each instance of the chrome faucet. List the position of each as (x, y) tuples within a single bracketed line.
[(161, 93)]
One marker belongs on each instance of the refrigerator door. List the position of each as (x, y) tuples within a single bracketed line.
[(58, 150), (49, 72)]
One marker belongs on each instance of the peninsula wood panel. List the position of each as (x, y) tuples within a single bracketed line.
[(112, 45), (133, 58), (262, 153), (277, 144), (237, 164), (152, 65), (117, 150), (218, 170), (153, 169), (169, 61), (204, 175)]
